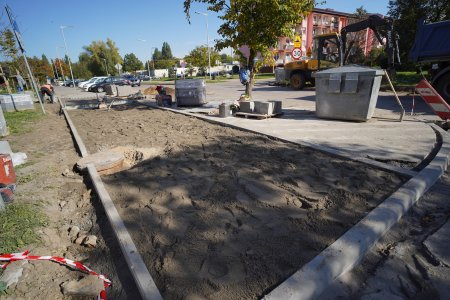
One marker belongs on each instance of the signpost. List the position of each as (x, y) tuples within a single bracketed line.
[(22, 49), (297, 42), (296, 53), (118, 67)]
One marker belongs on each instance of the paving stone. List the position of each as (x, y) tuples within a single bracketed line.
[(438, 244)]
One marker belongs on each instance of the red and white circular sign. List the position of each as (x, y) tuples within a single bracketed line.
[(296, 53)]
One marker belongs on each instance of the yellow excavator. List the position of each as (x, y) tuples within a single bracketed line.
[(331, 50)]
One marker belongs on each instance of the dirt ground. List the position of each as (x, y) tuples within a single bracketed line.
[(48, 182), (221, 213)]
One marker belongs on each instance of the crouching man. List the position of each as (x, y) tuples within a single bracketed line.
[(47, 89)]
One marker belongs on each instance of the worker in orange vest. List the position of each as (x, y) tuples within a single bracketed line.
[(47, 89)]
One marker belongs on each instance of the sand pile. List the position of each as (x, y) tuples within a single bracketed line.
[(225, 214)]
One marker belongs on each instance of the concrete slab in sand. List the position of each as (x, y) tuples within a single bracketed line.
[(438, 244)]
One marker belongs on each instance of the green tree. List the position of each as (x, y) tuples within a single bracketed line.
[(132, 63), (40, 68), (8, 46), (198, 57), (166, 52), (255, 23), (81, 68), (45, 59), (163, 59), (407, 13), (103, 55), (226, 59)]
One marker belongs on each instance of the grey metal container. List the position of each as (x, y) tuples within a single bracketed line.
[(190, 92), (280, 75), (347, 93), (16, 102)]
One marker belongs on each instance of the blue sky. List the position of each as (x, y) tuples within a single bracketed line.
[(127, 23)]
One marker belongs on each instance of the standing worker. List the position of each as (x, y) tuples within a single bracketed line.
[(49, 90)]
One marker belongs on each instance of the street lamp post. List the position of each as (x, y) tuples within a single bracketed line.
[(67, 51), (153, 60), (207, 42), (106, 66)]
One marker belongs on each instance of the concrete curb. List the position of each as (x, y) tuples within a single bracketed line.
[(144, 281), (346, 252), (76, 136), (335, 152)]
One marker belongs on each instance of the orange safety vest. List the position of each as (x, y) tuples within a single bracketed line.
[(47, 86)]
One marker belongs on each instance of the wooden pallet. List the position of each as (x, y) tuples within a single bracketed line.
[(256, 116)]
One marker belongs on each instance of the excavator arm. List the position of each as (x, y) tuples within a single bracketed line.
[(376, 23)]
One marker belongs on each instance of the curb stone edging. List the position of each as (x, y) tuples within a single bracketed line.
[(346, 252), (144, 281)]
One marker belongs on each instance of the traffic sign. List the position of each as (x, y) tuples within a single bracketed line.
[(297, 42), (296, 53)]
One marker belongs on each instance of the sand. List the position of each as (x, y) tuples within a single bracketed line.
[(222, 213)]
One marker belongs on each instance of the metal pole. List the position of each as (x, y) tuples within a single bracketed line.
[(38, 94), (207, 42), (148, 67), (67, 53), (209, 50)]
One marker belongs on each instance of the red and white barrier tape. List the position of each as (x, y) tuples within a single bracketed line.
[(9, 258)]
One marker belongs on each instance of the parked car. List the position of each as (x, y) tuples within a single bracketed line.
[(134, 81), (100, 86), (83, 83), (69, 82), (95, 81), (144, 77)]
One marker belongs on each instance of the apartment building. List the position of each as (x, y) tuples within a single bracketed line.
[(319, 21)]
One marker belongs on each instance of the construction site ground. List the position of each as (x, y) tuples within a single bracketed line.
[(200, 214)]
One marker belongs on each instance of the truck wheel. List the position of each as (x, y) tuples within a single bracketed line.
[(442, 86), (297, 81)]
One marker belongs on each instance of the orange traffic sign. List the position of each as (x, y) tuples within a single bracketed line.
[(297, 42)]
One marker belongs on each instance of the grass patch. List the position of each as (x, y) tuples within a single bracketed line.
[(18, 224), (25, 178), (21, 121), (24, 165), (265, 76), (408, 78)]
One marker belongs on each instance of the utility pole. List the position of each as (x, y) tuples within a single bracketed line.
[(207, 42), (22, 49), (67, 52)]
